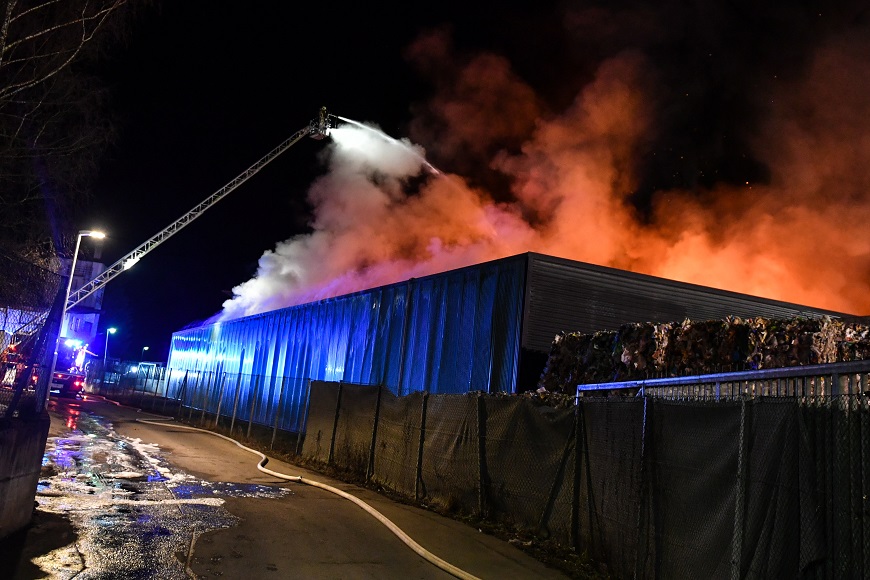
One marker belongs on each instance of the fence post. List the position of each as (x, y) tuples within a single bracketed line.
[(193, 394), (862, 463), (205, 396), (575, 492), (370, 470), (254, 398), (590, 493), (300, 428), (181, 392), (554, 487), (642, 492), (483, 476), (737, 536), (139, 374), (278, 411), (145, 384), (418, 480), (335, 425), (236, 402), (166, 394), (155, 382), (220, 400)]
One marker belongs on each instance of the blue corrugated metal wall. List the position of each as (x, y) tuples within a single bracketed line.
[(449, 333)]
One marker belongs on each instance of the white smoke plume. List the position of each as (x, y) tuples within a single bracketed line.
[(369, 231)]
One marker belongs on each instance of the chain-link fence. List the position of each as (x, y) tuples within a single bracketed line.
[(240, 403), (748, 488), (30, 313), (125, 380)]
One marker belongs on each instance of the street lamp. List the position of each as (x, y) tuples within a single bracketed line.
[(72, 271), (142, 356), (109, 331)]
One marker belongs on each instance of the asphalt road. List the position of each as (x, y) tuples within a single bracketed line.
[(307, 532)]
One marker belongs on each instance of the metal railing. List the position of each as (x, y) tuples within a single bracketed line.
[(827, 380)]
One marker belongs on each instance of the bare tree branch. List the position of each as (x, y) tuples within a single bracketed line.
[(54, 116), (43, 56)]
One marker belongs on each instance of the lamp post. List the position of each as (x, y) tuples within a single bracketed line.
[(142, 356), (72, 271), (109, 331)]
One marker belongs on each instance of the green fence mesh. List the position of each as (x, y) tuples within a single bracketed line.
[(751, 488)]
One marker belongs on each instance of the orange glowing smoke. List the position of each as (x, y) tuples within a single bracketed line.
[(800, 238)]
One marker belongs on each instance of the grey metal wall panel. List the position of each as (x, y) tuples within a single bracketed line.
[(564, 295)]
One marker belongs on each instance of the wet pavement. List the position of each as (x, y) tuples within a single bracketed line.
[(133, 515), (119, 498)]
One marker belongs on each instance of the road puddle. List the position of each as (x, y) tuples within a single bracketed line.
[(135, 516)]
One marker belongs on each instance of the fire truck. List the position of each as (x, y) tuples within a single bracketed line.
[(11, 364), (68, 379)]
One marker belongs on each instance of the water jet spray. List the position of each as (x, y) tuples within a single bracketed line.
[(392, 141)]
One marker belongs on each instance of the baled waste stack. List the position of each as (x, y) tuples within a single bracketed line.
[(649, 350)]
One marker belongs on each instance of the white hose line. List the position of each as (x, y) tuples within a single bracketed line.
[(397, 531)]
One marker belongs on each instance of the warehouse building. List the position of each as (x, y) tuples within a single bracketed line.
[(487, 327)]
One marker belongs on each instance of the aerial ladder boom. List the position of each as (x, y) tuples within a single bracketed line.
[(318, 129)]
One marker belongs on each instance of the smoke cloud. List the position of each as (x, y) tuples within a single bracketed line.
[(599, 181)]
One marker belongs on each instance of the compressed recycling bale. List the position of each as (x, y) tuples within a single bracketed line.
[(777, 343), (707, 346), (597, 358), (853, 343), (824, 342), (565, 362), (633, 351), (646, 350), (662, 345)]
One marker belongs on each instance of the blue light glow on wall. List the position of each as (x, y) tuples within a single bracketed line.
[(449, 333)]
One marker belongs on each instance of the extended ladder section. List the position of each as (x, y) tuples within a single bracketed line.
[(318, 128)]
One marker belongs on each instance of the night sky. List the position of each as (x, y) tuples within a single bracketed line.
[(202, 90)]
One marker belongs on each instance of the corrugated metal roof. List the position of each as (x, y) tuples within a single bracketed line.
[(565, 295)]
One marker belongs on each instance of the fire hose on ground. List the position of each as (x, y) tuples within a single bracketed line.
[(396, 530)]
